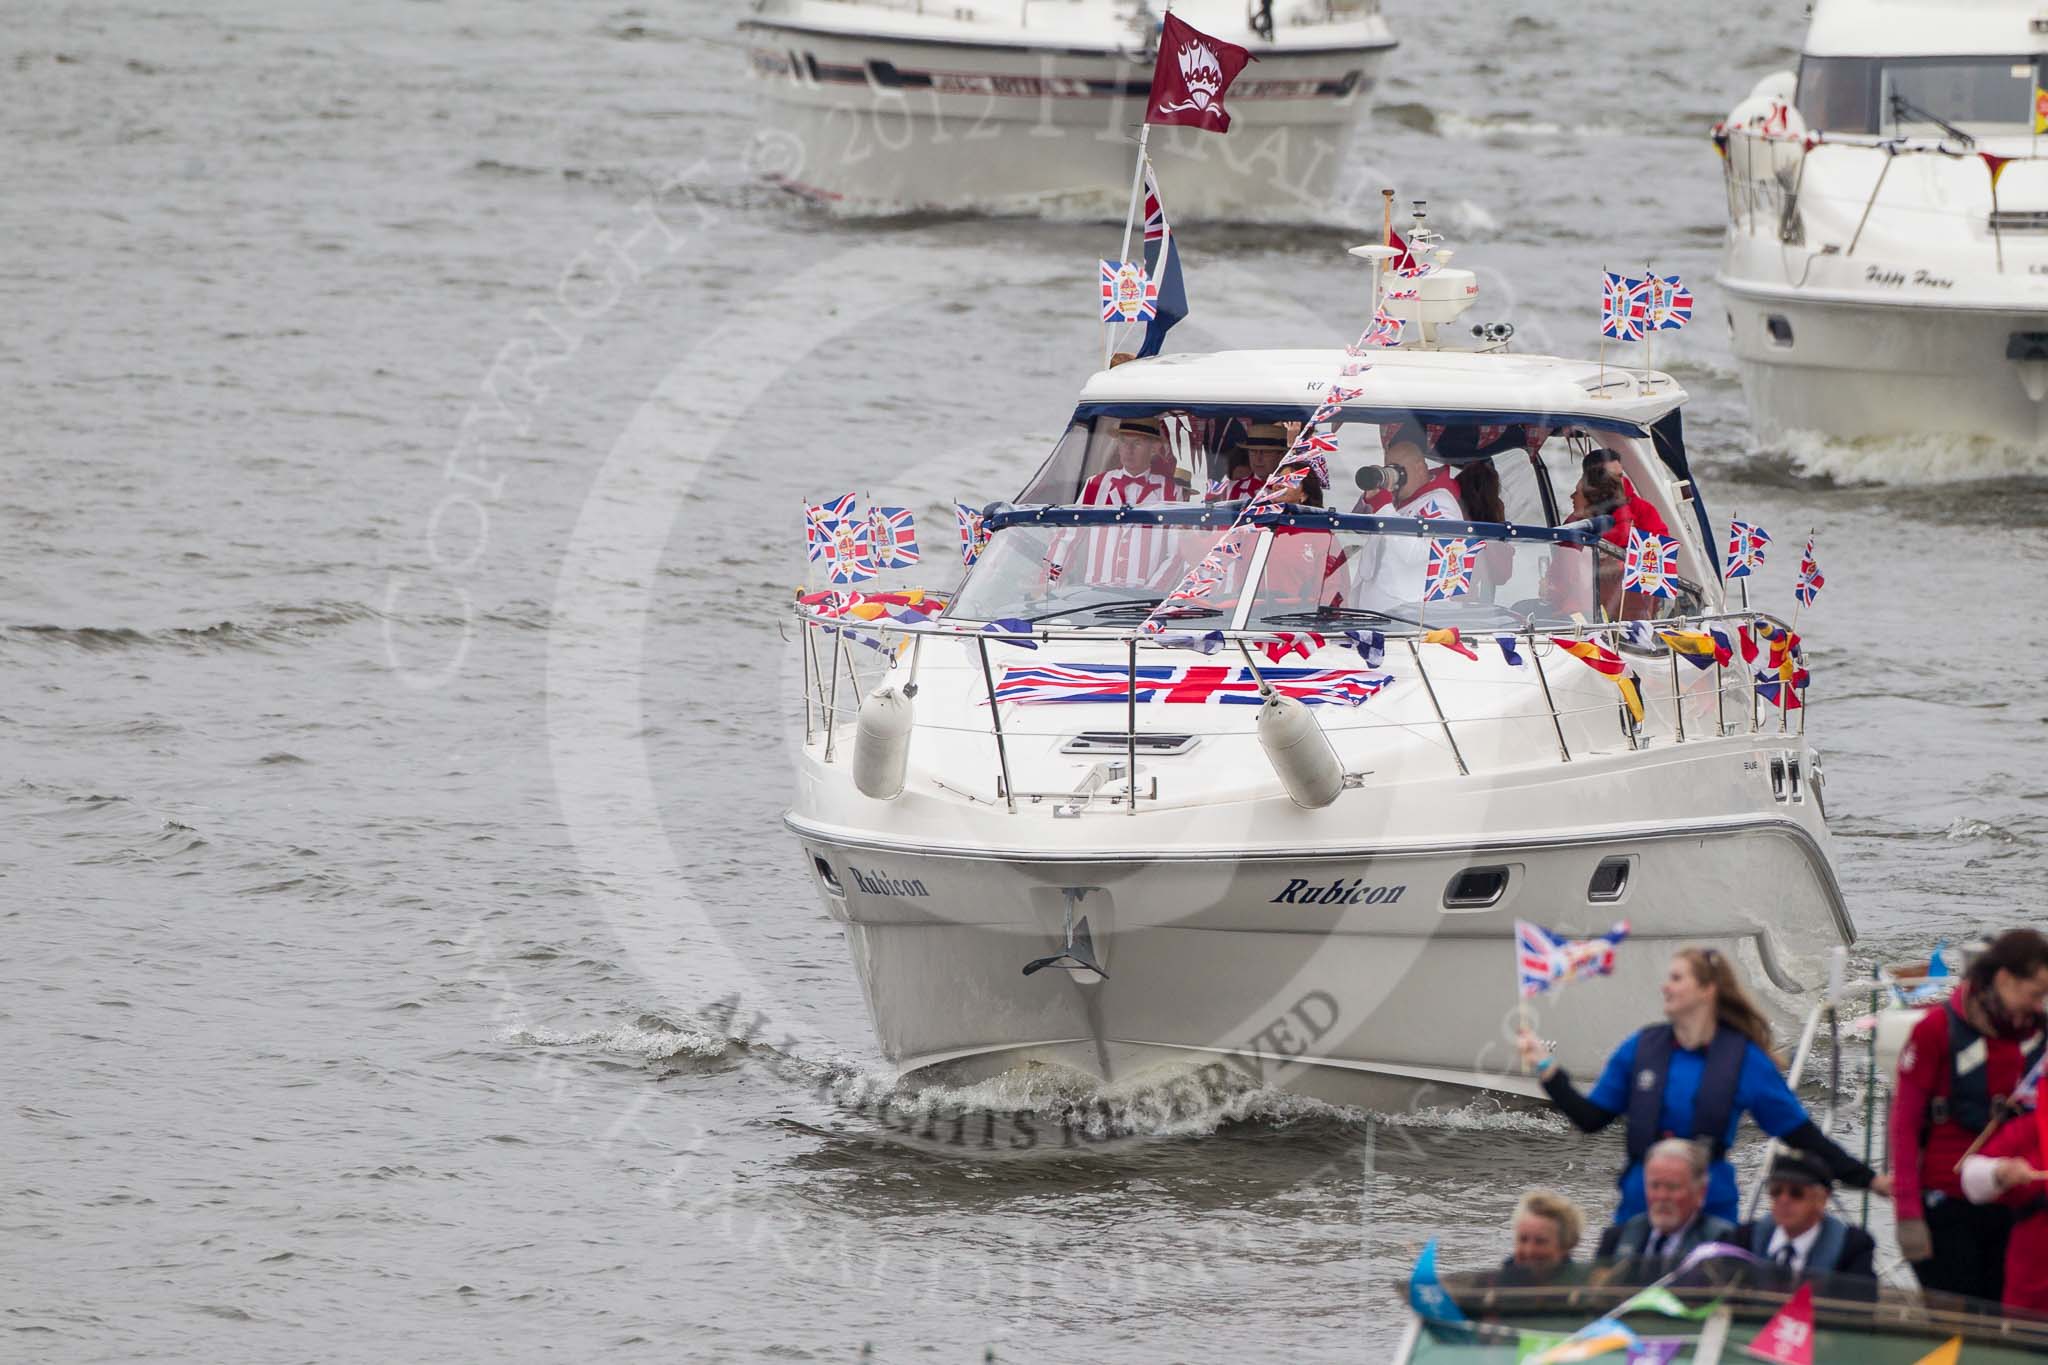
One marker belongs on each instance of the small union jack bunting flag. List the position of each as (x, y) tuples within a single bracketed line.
[(895, 537), (1810, 579), (1651, 565), (1624, 311), (1746, 545), (1451, 563)]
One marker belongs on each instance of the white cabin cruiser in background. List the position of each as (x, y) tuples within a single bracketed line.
[(1057, 837), (881, 106), (1886, 265)]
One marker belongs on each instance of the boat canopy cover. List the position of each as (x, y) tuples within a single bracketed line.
[(1921, 28)]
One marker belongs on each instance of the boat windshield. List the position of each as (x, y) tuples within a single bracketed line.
[(1492, 471), (1282, 576), (1914, 96)]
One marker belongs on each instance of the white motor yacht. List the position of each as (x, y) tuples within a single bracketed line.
[(1886, 266), (883, 106), (1287, 824)]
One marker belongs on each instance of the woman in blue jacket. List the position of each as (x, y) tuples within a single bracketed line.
[(1695, 1076)]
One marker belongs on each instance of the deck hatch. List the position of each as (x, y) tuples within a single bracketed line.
[(1119, 742)]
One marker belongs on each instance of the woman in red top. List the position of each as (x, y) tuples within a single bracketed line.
[(2013, 1170), (1963, 1061)]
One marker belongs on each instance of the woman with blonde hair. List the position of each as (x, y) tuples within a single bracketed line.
[(1547, 1230), (1694, 1076)]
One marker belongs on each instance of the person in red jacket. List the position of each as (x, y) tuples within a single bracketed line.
[(2013, 1171), (1962, 1064)]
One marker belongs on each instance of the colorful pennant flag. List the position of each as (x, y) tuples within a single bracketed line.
[(1787, 1339), (973, 533), (1623, 309), (1426, 1292), (1544, 959), (1951, 1351), (1451, 565), (1810, 580), (1448, 637), (1590, 1342), (1370, 644), (1016, 628), (1651, 565), (1746, 545), (1696, 648), (1608, 664), (1509, 652), (1208, 642), (894, 534), (1283, 643)]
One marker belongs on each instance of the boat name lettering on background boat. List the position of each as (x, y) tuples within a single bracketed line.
[(1302, 891), (882, 884)]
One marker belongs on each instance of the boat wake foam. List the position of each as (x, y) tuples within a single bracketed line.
[(1911, 461)]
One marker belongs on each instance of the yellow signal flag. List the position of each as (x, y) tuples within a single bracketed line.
[(1632, 695), (2040, 111), (1945, 1354)]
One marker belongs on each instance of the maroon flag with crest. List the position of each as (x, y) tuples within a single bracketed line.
[(1193, 73)]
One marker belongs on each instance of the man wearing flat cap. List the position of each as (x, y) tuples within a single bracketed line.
[(1799, 1235)]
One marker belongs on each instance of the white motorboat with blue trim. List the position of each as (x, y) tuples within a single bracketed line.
[(1886, 260), (1291, 832), (889, 106)]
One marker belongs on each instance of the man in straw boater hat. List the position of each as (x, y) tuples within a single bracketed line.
[(1130, 555), (1261, 449)]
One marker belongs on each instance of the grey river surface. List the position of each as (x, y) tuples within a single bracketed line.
[(356, 1006)]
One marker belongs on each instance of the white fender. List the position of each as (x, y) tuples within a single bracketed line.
[(1300, 752), (881, 744)]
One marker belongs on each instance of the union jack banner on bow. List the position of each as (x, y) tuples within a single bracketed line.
[(1623, 309), (1670, 303), (1544, 959), (1450, 569), (1127, 296), (849, 551), (1197, 684), (1810, 579), (1386, 330), (973, 533), (1651, 565), (819, 515), (895, 537), (1746, 545)]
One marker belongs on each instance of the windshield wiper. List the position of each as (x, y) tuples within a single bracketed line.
[(1309, 618), (1122, 604), (1902, 106)]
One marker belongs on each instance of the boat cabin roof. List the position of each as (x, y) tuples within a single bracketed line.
[(1923, 28), (1545, 389)]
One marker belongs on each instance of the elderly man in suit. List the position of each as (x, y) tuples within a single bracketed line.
[(1799, 1235), (1675, 1187)]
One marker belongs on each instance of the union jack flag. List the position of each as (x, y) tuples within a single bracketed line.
[(850, 551), (1651, 565), (820, 515), (1197, 684), (1810, 579), (1155, 209), (895, 537), (1544, 959), (1670, 303), (1127, 296), (1450, 569), (1386, 330), (1623, 308), (973, 533), (1746, 545)]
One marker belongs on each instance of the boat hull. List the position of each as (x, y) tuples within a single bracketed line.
[(1873, 369), (1340, 974), (867, 125)]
